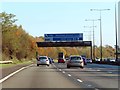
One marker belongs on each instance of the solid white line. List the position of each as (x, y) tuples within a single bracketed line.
[(79, 80), (98, 70), (54, 65), (5, 78), (69, 75)]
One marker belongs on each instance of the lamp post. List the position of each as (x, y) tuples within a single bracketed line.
[(89, 36), (93, 36), (90, 40), (100, 10), (116, 34)]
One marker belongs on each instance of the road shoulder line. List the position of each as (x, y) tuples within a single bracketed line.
[(8, 76)]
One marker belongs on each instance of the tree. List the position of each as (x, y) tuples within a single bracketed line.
[(7, 20), (16, 42)]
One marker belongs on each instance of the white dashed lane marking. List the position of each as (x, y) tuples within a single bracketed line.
[(98, 70), (69, 75), (63, 72), (79, 80), (54, 65)]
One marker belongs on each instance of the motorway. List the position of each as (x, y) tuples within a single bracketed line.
[(96, 76)]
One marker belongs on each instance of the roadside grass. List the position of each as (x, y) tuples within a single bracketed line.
[(6, 65), (17, 62), (22, 62), (55, 60)]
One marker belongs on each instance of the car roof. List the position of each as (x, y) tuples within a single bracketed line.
[(75, 56), (42, 56)]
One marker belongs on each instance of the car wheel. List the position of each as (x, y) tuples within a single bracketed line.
[(47, 65), (81, 67), (37, 64)]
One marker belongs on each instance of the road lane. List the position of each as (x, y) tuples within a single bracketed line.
[(58, 76), (39, 77), (6, 71), (94, 75)]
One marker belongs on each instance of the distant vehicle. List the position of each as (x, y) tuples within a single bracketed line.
[(88, 60), (61, 60), (85, 61), (66, 59), (50, 60), (61, 57), (43, 60), (112, 60), (75, 61), (97, 59)]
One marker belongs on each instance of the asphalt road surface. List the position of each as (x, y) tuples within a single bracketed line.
[(95, 76)]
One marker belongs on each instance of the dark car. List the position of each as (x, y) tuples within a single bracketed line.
[(85, 61), (89, 60), (50, 60)]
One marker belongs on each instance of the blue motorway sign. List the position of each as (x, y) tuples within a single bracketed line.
[(64, 37)]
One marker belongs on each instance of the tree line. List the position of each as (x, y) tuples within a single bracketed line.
[(18, 44)]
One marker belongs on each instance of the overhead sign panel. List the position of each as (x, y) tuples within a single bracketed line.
[(63, 37), (64, 44)]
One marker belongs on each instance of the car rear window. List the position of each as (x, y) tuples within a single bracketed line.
[(75, 58), (42, 58)]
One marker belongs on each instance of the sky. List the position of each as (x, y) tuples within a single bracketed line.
[(68, 16)]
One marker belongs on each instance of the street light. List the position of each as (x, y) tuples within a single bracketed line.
[(92, 52), (93, 36), (116, 34), (88, 32), (100, 29)]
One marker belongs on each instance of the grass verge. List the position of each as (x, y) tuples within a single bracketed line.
[(16, 62)]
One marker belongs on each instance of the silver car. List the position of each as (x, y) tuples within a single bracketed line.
[(89, 60), (75, 61), (43, 60)]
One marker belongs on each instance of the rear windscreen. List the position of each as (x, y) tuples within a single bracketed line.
[(75, 58), (42, 58)]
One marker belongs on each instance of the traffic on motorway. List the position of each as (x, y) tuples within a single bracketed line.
[(75, 60), (71, 74), (50, 49)]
